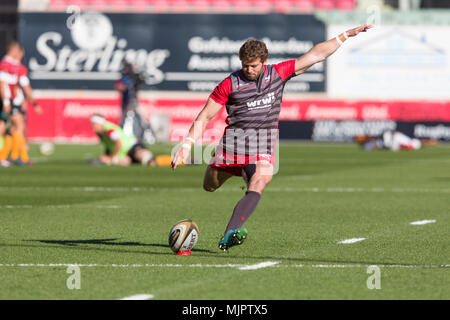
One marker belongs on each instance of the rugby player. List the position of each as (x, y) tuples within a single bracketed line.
[(252, 97), (394, 141), (120, 149), (14, 89)]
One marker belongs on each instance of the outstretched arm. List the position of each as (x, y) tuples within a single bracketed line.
[(29, 96), (324, 49), (208, 112)]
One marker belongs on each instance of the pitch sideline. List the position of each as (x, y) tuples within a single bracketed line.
[(266, 264)]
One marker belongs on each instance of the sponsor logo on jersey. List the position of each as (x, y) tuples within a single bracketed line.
[(262, 103)]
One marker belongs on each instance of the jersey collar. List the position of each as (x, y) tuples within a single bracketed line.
[(12, 60)]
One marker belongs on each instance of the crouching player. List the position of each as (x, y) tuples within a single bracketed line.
[(122, 149), (394, 141)]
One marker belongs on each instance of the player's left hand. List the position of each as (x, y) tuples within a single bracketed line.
[(355, 31)]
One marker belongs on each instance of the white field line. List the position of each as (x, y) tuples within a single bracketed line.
[(148, 265), (139, 297), (421, 222), (270, 189), (62, 206), (259, 265), (235, 266), (352, 240)]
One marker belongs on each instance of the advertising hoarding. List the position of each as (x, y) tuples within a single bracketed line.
[(190, 52)]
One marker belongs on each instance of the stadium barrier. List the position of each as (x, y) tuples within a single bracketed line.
[(67, 119), (174, 52)]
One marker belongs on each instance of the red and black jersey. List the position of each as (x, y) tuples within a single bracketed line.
[(13, 75), (253, 108)]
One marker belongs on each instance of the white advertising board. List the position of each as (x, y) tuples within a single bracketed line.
[(391, 62)]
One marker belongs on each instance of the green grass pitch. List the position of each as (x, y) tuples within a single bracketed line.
[(113, 223)]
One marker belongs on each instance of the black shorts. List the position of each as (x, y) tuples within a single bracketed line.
[(15, 109), (133, 151), (1, 105), (3, 115)]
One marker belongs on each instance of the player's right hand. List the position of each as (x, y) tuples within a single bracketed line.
[(180, 157)]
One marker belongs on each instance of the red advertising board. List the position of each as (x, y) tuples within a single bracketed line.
[(67, 119)]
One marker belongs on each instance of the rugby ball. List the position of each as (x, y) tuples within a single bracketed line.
[(183, 236)]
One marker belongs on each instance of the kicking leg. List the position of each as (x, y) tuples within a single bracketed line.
[(257, 177), (214, 179)]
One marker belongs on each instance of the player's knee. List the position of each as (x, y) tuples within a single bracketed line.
[(209, 188), (259, 183)]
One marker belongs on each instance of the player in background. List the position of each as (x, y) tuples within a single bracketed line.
[(394, 141), (252, 97), (15, 90), (122, 149), (5, 141), (128, 86)]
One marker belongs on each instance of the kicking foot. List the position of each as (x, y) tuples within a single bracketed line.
[(233, 237)]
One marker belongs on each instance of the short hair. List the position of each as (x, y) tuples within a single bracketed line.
[(253, 49), (11, 44)]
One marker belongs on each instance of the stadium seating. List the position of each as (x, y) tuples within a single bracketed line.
[(99, 5), (325, 4), (303, 5), (200, 6), (179, 6), (205, 6), (58, 5), (139, 5), (263, 6), (82, 4), (242, 6), (346, 4), (61, 5), (283, 6), (119, 5), (222, 6), (159, 5)]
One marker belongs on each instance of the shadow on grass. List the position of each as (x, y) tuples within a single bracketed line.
[(81, 245), (110, 242), (441, 179)]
